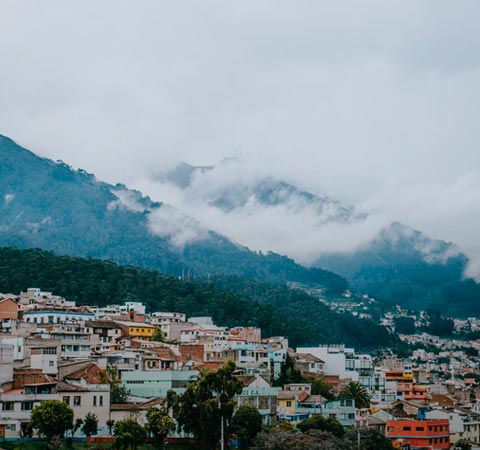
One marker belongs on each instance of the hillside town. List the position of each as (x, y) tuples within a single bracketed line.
[(52, 349)]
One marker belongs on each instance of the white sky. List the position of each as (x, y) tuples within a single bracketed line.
[(375, 103)]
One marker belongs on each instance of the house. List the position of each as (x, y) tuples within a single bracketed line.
[(262, 398), (8, 314), (29, 389), (431, 433), (52, 316), (138, 330), (156, 383), (308, 364), (44, 354)]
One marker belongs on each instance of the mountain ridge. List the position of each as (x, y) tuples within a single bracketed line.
[(49, 205), (399, 263)]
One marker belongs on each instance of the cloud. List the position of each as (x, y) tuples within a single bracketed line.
[(373, 103), (169, 222), (223, 200), (7, 199)]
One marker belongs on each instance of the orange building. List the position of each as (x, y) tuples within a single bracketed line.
[(8, 309), (433, 433)]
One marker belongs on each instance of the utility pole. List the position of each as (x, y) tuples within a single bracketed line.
[(222, 438)]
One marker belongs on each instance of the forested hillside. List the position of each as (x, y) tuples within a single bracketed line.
[(48, 205), (231, 301), (405, 267)]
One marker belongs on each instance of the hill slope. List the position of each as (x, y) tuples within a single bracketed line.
[(397, 263), (405, 267), (48, 205), (278, 310)]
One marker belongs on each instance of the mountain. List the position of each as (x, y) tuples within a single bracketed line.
[(398, 263), (49, 205), (236, 191), (406, 267), (277, 309)]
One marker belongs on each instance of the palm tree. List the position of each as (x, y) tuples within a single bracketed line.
[(359, 394)]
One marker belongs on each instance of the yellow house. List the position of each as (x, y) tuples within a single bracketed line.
[(138, 330)]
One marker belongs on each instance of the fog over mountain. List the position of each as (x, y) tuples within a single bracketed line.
[(268, 213), (373, 104)]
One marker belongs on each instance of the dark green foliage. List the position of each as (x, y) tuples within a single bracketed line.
[(358, 393), (308, 318), (288, 440), (396, 270), (52, 418), (277, 310), (404, 325), (439, 326), (90, 424), (288, 373), (110, 424), (53, 207), (205, 403), (159, 424), (246, 423), (129, 434), (321, 387), (118, 392), (463, 444), (369, 440), (317, 422)]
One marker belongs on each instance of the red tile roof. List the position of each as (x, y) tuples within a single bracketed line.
[(91, 374)]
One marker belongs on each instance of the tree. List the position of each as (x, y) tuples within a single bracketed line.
[(288, 373), (321, 387), (158, 335), (358, 393), (246, 424), (288, 440), (404, 325), (463, 444), (90, 425), (76, 425), (318, 422), (159, 424), (110, 423), (129, 434), (52, 418), (206, 404), (118, 392), (369, 440)]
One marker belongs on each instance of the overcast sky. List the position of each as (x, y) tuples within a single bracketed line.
[(373, 102)]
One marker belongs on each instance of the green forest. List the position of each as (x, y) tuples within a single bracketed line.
[(231, 301)]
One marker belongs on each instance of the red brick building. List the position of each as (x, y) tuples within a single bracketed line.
[(433, 433)]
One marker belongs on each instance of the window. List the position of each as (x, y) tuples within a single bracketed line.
[(390, 429), (407, 428), (289, 403), (7, 406), (420, 429), (66, 399), (100, 398), (27, 406), (77, 400), (94, 400), (349, 402), (263, 402), (50, 351), (51, 363)]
